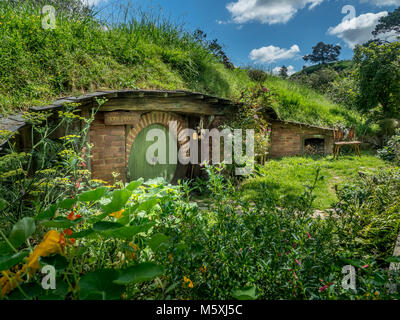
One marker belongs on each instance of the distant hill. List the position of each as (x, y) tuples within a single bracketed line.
[(338, 66)]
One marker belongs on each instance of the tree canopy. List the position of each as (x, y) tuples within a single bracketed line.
[(324, 53), (388, 24), (379, 78)]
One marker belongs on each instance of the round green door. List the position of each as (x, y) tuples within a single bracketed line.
[(139, 167)]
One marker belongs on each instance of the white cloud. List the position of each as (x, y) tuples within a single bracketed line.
[(268, 11), (278, 69), (271, 54), (382, 3), (357, 30)]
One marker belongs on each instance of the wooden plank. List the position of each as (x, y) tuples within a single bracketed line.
[(121, 118), (162, 104)]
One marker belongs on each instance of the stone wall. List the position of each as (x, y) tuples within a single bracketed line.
[(287, 139)]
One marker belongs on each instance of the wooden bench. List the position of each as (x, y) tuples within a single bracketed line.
[(340, 140)]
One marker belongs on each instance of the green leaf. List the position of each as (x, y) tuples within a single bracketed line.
[(47, 214), (59, 262), (21, 231), (5, 248), (99, 285), (3, 204), (119, 199), (97, 218), (135, 184), (147, 205), (127, 233), (61, 223), (10, 260), (139, 273), (82, 234), (248, 293), (393, 259), (106, 226), (67, 204), (354, 263), (58, 294), (31, 290), (158, 242), (93, 195)]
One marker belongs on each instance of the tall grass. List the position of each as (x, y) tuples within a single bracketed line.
[(299, 103), (136, 50)]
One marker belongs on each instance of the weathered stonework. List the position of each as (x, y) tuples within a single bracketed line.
[(287, 139)]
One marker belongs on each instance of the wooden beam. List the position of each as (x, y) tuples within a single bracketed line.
[(162, 104), (212, 100)]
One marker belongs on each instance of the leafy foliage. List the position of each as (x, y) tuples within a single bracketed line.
[(391, 152), (379, 78)]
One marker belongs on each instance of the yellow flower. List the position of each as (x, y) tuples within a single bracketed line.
[(171, 258), (117, 214), (49, 245), (9, 281), (188, 281)]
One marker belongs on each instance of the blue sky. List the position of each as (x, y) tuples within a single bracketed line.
[(273, 33)]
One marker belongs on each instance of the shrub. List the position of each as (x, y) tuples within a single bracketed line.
[(266, 250), (368, 212), (99, 242), (257, 75), (391, 152)]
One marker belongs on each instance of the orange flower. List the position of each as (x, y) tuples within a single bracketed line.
[(117, 214), (51, 244), (73, 217), (68, 232)]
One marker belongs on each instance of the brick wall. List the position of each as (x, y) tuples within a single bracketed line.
[(108, 153), (286, 138), (112, 143)]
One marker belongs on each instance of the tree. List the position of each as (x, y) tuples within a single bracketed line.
[(388, 24), (214, 47), (283, 72), (324, 53), (379, 78)]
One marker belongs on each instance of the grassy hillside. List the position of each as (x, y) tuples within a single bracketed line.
[(299, 103), (145, 51), (37, 65), (338, 66)]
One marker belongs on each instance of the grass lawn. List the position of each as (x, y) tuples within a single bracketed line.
[(288, 176)]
